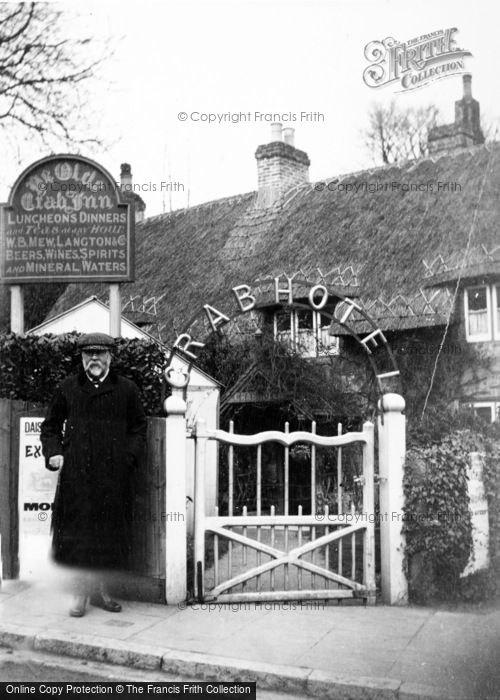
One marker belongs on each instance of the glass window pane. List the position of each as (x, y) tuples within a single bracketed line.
[(283, 319), (477, 299), (484, 412), (478, 323), (323, 321), (304, 319)]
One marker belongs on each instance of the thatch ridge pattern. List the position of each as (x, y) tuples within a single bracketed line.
[(386, 248), (456, 261)]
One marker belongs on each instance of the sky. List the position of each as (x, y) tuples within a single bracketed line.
[(274, 57)]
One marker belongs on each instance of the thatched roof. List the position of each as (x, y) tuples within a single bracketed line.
[(385, 243)]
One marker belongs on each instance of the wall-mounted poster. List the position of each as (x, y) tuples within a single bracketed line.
[(37, 486), (478, 506)]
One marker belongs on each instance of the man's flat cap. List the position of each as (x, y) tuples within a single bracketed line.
[(95, 341)]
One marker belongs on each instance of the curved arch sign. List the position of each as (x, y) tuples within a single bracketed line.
[(65, 221), (347, 314)]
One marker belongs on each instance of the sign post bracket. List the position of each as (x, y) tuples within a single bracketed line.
[(115, 310)]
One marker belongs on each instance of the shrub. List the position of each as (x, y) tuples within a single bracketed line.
[(437, 520)]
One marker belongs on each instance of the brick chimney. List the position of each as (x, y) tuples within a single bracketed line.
[(465, 130), (126, 176), (467, 111), (128, 194), (280, 166)]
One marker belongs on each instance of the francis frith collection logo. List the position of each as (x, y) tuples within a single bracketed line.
[(414, 63)]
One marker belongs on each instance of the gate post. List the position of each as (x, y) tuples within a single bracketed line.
[(175, 491), (199, 510), (391, 448), (369, 509)]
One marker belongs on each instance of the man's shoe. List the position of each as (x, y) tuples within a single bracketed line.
[(102, 600), (78, 606)]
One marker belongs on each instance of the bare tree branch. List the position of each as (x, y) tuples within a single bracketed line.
[(45, 77), (491, 128), (10, 22), (395, 134)]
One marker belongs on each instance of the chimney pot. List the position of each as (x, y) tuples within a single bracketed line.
[(467, 80), (276, 132), (125, 175), (128, 193), (289, 135)]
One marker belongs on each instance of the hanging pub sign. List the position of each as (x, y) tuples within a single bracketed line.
[(65, 221)]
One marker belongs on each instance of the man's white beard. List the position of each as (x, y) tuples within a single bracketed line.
[(96, 371)]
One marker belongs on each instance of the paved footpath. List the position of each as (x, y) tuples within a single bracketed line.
[(323, 651)]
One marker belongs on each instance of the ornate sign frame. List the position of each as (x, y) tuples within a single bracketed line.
[(66, 221)]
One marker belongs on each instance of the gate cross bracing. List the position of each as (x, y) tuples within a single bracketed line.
[(281, 543)]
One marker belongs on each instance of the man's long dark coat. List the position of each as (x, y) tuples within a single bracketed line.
[(103, 441)]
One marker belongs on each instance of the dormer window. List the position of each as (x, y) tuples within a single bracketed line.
[(495, 297), (306, 330), (489, 411), (482, 313)]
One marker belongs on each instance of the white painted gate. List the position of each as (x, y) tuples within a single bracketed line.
[(285, 556)]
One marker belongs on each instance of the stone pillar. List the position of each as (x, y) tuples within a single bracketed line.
[(392, 447)]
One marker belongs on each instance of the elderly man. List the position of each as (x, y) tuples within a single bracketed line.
[(95, 433)]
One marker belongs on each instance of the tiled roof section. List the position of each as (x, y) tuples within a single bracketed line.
[(366, 232)]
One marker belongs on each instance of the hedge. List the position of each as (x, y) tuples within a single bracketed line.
[(31, 367), (437, 521)]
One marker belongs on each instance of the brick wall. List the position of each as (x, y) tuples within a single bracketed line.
[(449, 137), (280, 167)]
